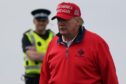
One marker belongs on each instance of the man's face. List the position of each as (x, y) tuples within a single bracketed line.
[(67, 27), (40, 24)]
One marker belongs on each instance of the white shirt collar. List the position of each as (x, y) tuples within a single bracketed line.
[(68, 42)]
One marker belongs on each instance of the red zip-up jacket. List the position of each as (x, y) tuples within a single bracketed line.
[(86, 61)]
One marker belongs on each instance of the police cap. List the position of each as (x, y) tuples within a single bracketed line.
[(41, 13)]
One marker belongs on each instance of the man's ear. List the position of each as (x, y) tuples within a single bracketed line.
[(79, 20), (34, 21), (47, 21)]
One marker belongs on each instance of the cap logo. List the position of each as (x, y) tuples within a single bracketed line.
[(63, 11), (65, 7)]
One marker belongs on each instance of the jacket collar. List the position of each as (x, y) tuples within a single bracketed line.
[(78, 38)]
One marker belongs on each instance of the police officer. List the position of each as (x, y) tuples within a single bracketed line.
[(34, 45)]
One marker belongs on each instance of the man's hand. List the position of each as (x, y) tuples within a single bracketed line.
[(31, 48), (33, 54)]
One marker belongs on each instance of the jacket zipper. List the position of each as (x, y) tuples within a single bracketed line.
[(67, 52)]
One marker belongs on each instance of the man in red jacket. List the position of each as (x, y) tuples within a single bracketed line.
[(76, 55)]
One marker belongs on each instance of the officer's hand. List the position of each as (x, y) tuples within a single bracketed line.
[(31, 48)]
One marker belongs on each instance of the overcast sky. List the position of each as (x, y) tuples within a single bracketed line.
[(105, 17)]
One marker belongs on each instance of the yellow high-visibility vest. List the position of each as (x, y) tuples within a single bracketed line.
[(41, 47)]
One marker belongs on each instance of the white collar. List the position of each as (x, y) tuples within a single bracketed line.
[(68, 42)]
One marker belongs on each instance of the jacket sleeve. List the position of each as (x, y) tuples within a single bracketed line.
[(45, 74), (106, 64), (25, 43)]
